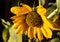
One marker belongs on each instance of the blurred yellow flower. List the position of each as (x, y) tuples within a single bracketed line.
[(34, 22)]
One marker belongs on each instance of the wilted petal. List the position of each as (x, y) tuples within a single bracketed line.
[(41, 10), (21, 10), (21, 19), (26, 6)]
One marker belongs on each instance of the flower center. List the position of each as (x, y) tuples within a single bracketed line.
[(33, 19)]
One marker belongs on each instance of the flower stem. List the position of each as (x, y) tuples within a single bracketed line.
[(29, 40), (33, 8), (18, 3), (36, 40), (39, 2), (52, 14)]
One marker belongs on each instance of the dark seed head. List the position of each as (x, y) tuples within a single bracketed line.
[(33, 19)]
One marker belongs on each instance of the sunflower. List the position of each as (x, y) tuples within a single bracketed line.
[(34, 22)]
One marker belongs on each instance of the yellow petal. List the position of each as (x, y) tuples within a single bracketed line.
[(15, 25), (55, 26), (49, 23), (48, 31), (56, 29), (21, 10), (16, 20), (44, 32), (35, 32), (45, 20), (39, 34), (41, 10), (21, 28), (21, 18), (26, 6), (15, 17), (30, 32)]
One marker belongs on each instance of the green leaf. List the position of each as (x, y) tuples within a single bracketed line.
[(58, 5), (41, 2), (14, 37), (50, 10), (6, 24), (55, 40), (58, 33), (5, 34)]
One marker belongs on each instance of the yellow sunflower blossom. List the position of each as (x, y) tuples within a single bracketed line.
[(34, 22)]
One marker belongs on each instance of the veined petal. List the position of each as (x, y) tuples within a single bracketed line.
[(26, 6), (16, 20), (49, 32), (41, 10), (15, 25), (55, 28), (35, 32), (45, 20), (49, 23), (21, 18), (21, 10), (21, 28), (15, 17), (44, 32), (30, 32), (39, 34)]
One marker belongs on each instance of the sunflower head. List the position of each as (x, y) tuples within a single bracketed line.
[(33, 19), (34, 22)]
